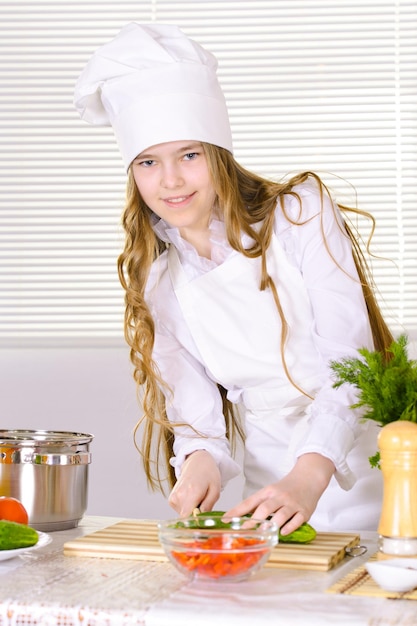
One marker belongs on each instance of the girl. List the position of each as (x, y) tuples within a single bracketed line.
[(239, 292)]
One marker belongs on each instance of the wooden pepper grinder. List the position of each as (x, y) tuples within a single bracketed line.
[(397, 442)]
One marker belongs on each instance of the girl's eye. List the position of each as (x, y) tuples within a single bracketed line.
[(190, 156), (144, 163)]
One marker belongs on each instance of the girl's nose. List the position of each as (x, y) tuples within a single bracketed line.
[(171, 177)]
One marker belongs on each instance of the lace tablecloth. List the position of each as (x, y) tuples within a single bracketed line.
[(46, 588)]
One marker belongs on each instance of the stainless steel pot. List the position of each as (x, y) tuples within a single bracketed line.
[(48, 472)]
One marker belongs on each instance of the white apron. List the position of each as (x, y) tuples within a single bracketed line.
[(237, 330)]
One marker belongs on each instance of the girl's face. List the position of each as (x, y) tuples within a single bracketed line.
[(174, 181)]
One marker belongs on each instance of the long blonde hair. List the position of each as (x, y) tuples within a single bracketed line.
[(248, 203)]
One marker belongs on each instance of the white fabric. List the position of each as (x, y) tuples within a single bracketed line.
[(153, 84), (218, 327)]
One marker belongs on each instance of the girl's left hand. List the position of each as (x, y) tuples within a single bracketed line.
[(292, 500)]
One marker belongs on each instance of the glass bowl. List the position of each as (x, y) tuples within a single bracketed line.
[(206, 548)]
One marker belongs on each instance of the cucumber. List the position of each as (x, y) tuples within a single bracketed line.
[(198, 521), (304, 534), (14, 535)]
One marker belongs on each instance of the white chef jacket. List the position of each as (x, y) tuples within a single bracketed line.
[(337, 326)]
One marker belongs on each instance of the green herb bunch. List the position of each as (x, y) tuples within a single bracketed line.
[(387, 384)]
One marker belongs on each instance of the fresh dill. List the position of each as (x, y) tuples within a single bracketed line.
[(387, 384)]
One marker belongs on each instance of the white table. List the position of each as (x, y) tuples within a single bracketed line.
[(44, 587)]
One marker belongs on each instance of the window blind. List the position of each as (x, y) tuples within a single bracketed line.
[(311, 85)]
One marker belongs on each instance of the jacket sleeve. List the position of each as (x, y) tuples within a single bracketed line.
[(322, 250)]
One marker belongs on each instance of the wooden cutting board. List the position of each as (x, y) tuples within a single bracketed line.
[(138, 540)]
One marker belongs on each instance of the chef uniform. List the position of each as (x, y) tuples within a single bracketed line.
[(216, 326), (213, 324)]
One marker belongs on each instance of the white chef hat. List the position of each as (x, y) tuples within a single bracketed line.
[(153, 84)]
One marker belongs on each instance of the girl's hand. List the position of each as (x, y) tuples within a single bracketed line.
[(293, 499), (199, 484)]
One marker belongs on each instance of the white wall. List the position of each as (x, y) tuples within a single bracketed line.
[(87, 390)]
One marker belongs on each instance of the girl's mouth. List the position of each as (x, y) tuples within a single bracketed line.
[(178, 200)]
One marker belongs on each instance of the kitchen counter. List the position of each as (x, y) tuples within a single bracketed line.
[(44, 587)]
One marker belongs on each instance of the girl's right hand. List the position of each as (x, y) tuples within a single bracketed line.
[(199, 484)]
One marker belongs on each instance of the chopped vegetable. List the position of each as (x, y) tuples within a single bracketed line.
[(232, 559)]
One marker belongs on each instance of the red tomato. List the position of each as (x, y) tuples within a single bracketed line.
[(215, 563), (13, 510)]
